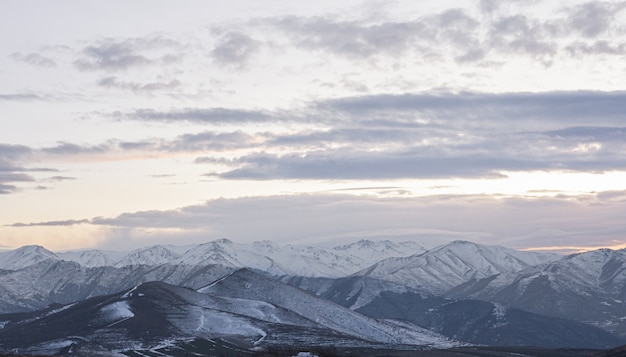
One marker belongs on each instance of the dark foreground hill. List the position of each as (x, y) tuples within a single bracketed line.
[(157, 316)]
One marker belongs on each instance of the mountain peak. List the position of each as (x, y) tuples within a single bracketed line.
[(34, 249), (25, 256)]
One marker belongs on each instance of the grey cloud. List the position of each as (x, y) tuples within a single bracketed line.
[(8, 152), (70, 222), (360, 39), (315, 217), (519, 34), (351, 38), (418, 135), (200, 115), (598, 47), (235, 49), (213, 141), (457, 34), (7, 189), (114, 82), (34, 59), (563, 107), (488, 6), (612, 196), (74, 149), (591, 132), (20, 96), (10, 171), (594, 18), (428, 162), (61, 178), (574, 107), (122, 54)]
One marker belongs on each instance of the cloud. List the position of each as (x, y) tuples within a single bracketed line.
[(20, 96), (235, 50), (519, 34), (10, 171), (335, 164), (594, 18), (514, 222), (69, 222), (555, 107), (114, 82), (33, 59), (461, 36), (351, 38), (198, 115), (74, 149), (122, 54), (424, 135), (61, 178)]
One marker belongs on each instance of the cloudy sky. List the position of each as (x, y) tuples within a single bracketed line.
[(125, 124)]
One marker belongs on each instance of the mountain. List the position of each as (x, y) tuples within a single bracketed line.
[(154, 315), (264, 255), (471, 321), (245, 284), (487, 323), (588, 287), (57, 281), (443, 268), (377, 250), (92, 258), (155, 255), (465, 291), (25, 256)]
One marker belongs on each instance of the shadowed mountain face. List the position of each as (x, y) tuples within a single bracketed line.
[(588, 287), (459, 291), (143, 317), (472, 321)]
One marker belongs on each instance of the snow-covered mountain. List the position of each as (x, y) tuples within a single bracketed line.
[(588, 287), (25, 256), (92, 258), (156, 316), (443, 268), (58, 281), (472, 321), (264, 255), (36, 277), (246, 284), (363, 276)]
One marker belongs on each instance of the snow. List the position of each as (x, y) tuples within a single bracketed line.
[(24, 256), (321, 311), (443, 268), (130, 292), (499, 311), (202, 322), (263, 255), (116, 312)]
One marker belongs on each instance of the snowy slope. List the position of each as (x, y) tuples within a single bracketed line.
[(440, 269), (264, 255), (588, 287), (57, 281), (24, 256), (153, 314), (93, 258), (245, 284), (154, 255)]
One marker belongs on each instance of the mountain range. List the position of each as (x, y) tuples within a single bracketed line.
[(262, 296)]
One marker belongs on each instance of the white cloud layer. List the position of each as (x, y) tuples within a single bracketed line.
[(424, 117)]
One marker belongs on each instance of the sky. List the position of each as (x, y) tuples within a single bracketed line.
[(126, 124)]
